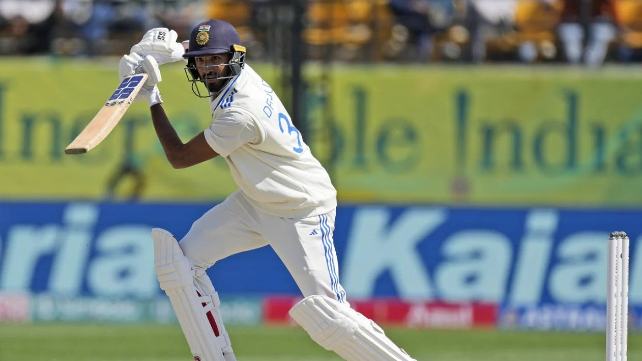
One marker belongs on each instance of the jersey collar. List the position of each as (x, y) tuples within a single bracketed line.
[(219, 99)]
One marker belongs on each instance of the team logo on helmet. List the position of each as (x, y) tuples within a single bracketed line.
[(202, 37)]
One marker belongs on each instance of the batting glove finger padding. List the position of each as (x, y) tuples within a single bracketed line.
[(161, 44), (134, 64), (150, 67), (129, 65)]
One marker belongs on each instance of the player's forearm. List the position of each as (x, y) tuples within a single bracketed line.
[(169, 139)]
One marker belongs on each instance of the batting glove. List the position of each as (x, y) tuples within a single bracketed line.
[(161, 44), (135, 64)]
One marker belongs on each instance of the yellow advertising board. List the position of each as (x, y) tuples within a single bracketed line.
[(484, 135), (44, 104), (393, 134)]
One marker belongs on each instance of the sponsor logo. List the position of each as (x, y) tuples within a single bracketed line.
[(401, 313), (125, 88), (14, 307), (556, 317)]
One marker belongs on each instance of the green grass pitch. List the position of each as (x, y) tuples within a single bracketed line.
[(108, 342)]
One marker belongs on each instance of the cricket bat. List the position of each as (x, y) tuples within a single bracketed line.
[(108, 116)]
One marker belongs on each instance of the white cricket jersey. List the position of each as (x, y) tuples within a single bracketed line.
[(273, 167)]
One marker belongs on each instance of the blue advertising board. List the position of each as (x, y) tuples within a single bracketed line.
[(517, 257)]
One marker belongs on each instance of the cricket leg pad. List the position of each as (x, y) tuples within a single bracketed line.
[(197, 310), (339, 328)]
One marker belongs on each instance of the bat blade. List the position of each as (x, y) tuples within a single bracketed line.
[(108, 116)]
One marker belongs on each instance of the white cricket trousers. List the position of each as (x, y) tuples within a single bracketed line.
[(305, 245)]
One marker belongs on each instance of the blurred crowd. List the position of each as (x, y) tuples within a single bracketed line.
[(589, 32), (85, 27)]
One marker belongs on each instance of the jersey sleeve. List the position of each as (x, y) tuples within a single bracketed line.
[(231, 130)]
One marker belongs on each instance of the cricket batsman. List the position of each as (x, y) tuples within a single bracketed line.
[(285, 198)]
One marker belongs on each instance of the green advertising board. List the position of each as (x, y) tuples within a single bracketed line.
[(392, 134)]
